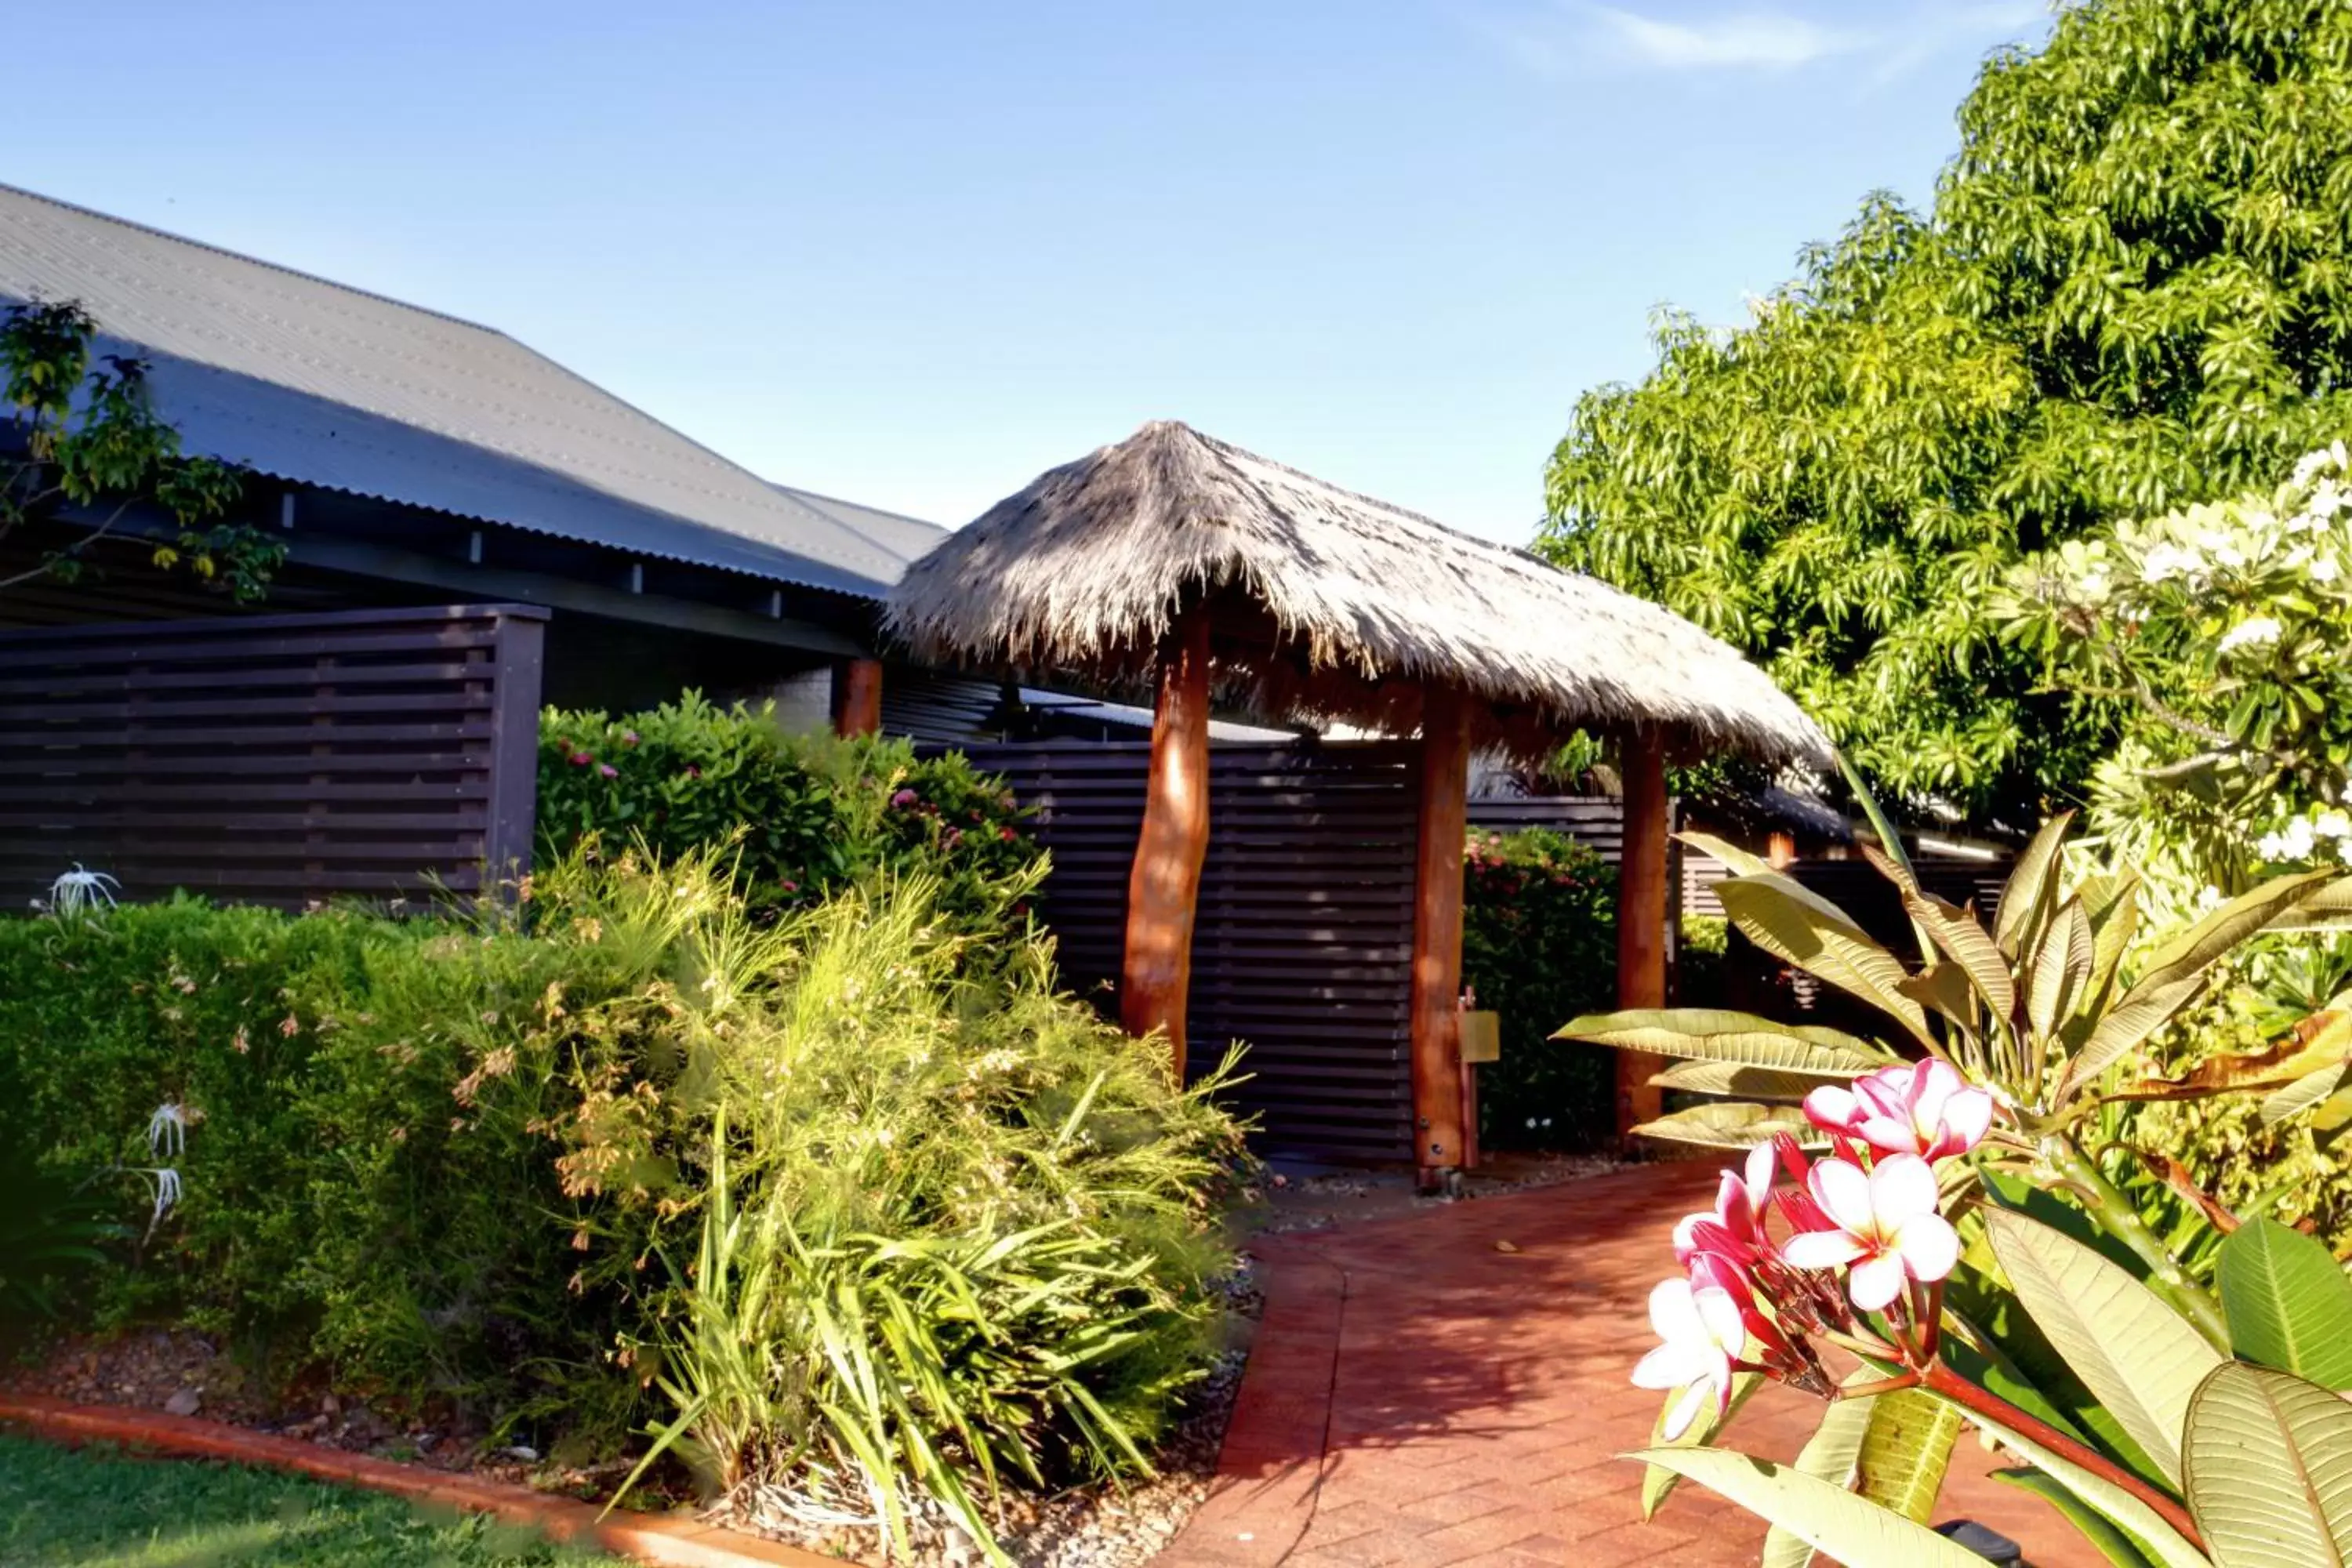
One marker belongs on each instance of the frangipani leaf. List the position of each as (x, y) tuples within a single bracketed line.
[(1658, 1482), (2145, 1009), (2288, 1303), (1791, 924), (1730, 1124), (1707, 1033), (1831, 1454), (2141, 1357), (1743, 862), (2248, 914), (2062, 969), (1968, 944), (1827, 1518), (2032, 888), (2105, 1536), (2270, 1469), (1907, 1451), (2160, 1542), (1739, 1081)]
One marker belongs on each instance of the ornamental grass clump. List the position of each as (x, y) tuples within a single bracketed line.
[(904, 1230)]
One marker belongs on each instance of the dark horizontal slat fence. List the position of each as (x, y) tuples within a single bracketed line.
[(1303, 940), (272, 759)]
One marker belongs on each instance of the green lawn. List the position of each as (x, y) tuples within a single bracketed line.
[(101, 1509)]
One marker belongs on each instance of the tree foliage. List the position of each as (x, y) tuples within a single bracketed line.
[(85, 450), (2134, 291)]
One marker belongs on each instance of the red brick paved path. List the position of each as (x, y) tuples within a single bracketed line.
[(1417, 1397)]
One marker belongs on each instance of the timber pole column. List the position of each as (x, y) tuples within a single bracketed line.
[(1437, 1102), (858, 697), (1164, 886), (1642, 916)]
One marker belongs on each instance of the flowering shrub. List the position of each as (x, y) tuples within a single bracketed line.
[(800, 816), (1941, 1224), (2218, 631), (1538, 944)]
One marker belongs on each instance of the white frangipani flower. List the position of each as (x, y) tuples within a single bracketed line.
[(2249, 632)]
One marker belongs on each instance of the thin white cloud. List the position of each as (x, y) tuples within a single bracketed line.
[(1764, 39), (1563, 38)]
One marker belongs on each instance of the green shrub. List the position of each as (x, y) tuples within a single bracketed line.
[(950, 1228), (1539, 947), (803, 814), (454, 1160)]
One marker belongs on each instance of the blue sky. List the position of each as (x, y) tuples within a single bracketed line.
[(913, 252)]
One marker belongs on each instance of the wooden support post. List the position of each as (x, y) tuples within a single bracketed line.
[(1437, 1100), (1641, 915), (1164, 886), (1780, 850), (858, 697)]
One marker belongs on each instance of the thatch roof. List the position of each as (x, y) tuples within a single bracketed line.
[(1326, 605)]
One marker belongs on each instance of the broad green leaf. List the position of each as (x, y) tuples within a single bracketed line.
[(2325, 908), (2061, 968), (1658, 1482), (1744, 862), (2270, 1469), (1828, 1455), (1827, 1518), (2113, 904), (2139, 1357), (1829, 946), (2288, 1303), (2032, 888), (2310, 1090), (1969, 945), (1730, 1124), (2158, 1540), (2248, 914), (1945, 989), (2143, 1010), (1707, 1033), (1740, 1082), (1905, 1452), (2101, 1533)]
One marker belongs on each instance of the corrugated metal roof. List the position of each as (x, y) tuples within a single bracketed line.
[(907, 539), (316, 383)]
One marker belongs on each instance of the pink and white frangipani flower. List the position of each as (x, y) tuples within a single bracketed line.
[(1888, 1228), (1928, 1109), (1736, 1225), (1704, 1332)]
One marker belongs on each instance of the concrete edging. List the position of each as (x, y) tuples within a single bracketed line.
[(668, 1540)]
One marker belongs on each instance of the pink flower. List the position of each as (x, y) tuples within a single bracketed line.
[(1886, 1228), (903, 799), (1735, 1226), (580, 759), (629, 737), (1928, 1110), (608, 770), (1703, 1333)]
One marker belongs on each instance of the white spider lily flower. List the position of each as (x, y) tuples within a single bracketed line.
[(82, 891), (165, 1181), (167, 1129)]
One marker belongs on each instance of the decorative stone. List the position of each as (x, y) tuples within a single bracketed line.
[(186, 1401)]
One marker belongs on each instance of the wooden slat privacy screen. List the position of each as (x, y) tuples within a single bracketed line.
[(272, 759), (1305, 932)]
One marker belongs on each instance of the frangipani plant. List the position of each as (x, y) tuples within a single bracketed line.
[(1927, 1244)]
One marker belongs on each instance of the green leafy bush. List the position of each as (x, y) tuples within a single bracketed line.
[(803, 814), (953, 1231), (455, 1159), (1540, 945)]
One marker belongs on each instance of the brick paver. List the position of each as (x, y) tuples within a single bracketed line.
[(1417, 1397)]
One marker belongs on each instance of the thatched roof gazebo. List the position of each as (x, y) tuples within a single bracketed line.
[(1176, 558)]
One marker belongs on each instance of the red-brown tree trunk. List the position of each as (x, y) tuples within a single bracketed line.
[(1437, 1100), (858, 697), (1163, 886), (1642, 916)]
